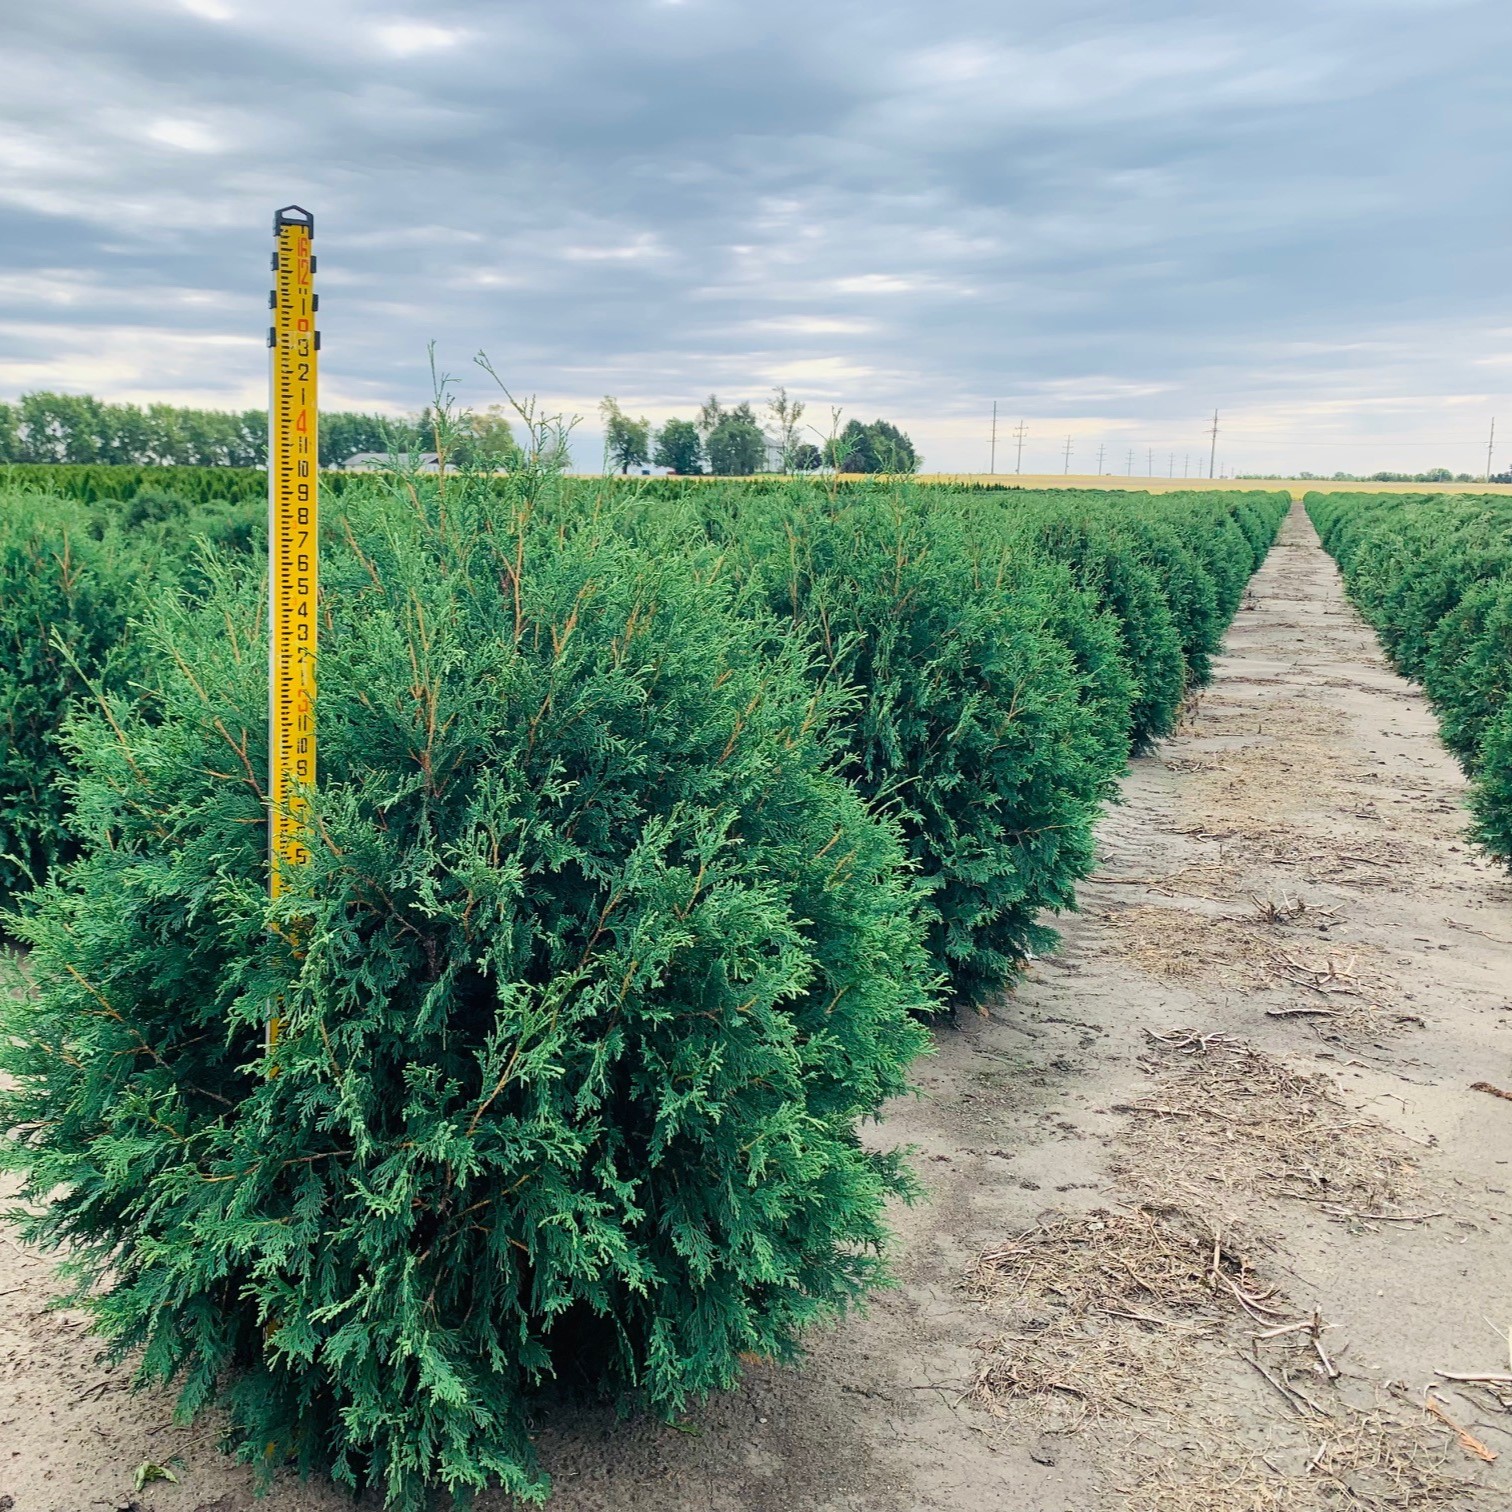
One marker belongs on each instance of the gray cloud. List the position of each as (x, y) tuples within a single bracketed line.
[(1108, 217)]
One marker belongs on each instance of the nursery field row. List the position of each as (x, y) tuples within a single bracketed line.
[(653, 823), (1433, 575)]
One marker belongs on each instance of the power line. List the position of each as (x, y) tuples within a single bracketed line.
[(1489, 445), (1018, 466), (1213, 454), (1067, 467), (1099, 459)]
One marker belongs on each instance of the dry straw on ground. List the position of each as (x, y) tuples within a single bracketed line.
[(1158, 1320), (1106, 1310), (1276, 946), (1226, 1123), (1124, 1318), (1372, 1458)]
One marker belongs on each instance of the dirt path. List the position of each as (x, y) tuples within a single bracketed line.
[(1239, 1100)]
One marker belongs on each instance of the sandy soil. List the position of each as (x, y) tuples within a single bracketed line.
[(1238, 1103)]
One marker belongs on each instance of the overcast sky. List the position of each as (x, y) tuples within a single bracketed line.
[(1109, 217)]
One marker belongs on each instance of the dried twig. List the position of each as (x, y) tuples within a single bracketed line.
[(1330, 1370), (1468, 1440), (1302, 1405), (1471, 929), (1344, 1212)]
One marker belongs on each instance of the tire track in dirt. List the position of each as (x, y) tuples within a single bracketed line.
[(1298, 846)]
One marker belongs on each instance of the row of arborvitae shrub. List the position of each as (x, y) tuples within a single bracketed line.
[(1433, 574), (644, 836), (74, 574)]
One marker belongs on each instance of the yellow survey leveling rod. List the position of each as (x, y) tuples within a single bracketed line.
[(293, 538)]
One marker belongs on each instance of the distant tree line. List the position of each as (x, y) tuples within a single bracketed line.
[(1433, 475), (733, 442), (730, 442), (78, 428)]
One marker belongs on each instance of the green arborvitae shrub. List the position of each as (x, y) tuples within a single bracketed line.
[(1189, 592), (1491, 798), (968, 723), (72, 576), (990, 707), (601, 966), (1433, 575), (1209, 527), (1468, 668), (1111, 570), (1255, 525), (65, 596), (933, 604), (95, 483), (1104, 685)]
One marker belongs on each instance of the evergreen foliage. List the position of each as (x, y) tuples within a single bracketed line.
[(649, 813), (1115, 575), (1491, 797), (66, 590), (998, 690), (97, 483), (601, 964), (968, 724), (1433, 575), (71, 578), (1468, 667)]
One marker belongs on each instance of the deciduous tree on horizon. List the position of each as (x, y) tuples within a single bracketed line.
[(627, 442), (679, 448)]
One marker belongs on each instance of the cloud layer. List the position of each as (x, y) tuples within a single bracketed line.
[(1109, 218)]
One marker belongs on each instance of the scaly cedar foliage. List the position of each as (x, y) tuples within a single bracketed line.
[(65, 596), (73, 575), (633, 824), (601, 965), (969, 726), (1000, 689), (1112, 571), (1433, 575), (1491, 798)]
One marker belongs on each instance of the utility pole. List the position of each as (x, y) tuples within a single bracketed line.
[(1018, 466), (1489, 445), (1186, 466), (1213, 454), (1172, 472), (1149, 461), (992, 466), (1099, 458), (1130, 472), (1067, 469)]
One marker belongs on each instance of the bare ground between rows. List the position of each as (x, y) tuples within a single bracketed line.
[(1138, 1165)]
